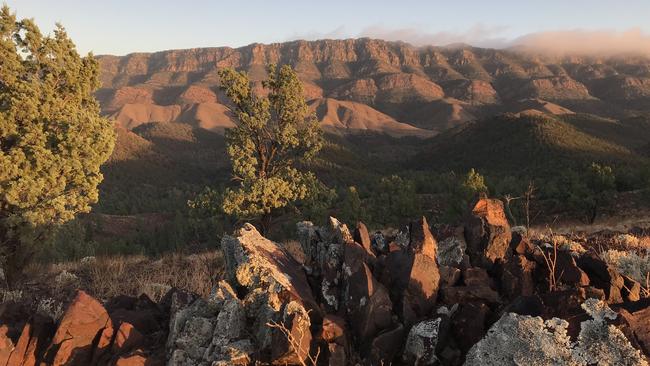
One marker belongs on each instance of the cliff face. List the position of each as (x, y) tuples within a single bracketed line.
[(394, 78)]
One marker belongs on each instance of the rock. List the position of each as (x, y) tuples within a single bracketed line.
[(468, 324), (526, 340), (141, 312), (83, 321), (639, 324), (135, 359), (522, 340), (308, 239), (385, 346), (421, 239), (333, 329), (6, 345), (413, 281), (276, 290), (449, 276), (362, 237), (366, 300), (526, 305), (379, 243), (487, 233), (568, 271), (603, 276), (451, 251), (476, 276), (521, 245), (517, 277), (126, 339), (337, 355), (631, 290), (463, 294), (421, 342)]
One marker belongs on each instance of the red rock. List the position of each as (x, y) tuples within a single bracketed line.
[(603, 276), (32, 340), (422, 241), (135, 359), (362, 237), (84, 320), (366, 301), (639, 323), (464, 294), (487, 233), (475, 276), (126, 338), (468, 324), (385, 346), (449, 276), (333, 329), (517, 277), (337, 355), (6, 345)]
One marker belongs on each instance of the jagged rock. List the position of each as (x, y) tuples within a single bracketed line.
[(379, 243), (141, 312), (413, 281), (568, 271), (603, 276), (421, 239), (449, 276), (463, 294), (487, 233), (631, 290), (521, 245), (366, 300), (421, 342), (6, 345), (362, 237), (468, 324), (639, 323), (333, 330), (451, 251), (517, 277), (126, 339), (525, 340), (385, 346), (84, 320), (308, 239), (276, 290), (476, 276)]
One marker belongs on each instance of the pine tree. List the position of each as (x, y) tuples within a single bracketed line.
[(275, 136), (52, 138)]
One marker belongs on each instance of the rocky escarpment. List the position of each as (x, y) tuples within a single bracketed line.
[(482, 293), (392, 77)]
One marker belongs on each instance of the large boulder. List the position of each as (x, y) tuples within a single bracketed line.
[(487, 233), (366, 301), (276, 292), (84, 321), (526, 340), (421, 342)]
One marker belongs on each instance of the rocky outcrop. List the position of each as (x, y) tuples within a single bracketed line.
[(487, 233)]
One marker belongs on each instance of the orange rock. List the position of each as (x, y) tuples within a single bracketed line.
[(84, 320), (135, 359), (18, 355), (126, 338), (31, 340), (6, 345)]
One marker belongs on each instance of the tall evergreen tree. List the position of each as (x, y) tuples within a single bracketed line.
[(52, 138), (275, 136)]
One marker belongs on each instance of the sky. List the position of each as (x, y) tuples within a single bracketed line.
[(123, 26)]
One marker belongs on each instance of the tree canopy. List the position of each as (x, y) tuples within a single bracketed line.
[(52, 138), (275, 136)]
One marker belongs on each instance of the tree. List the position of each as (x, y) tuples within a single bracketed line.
[(393, 200), (460, 191), (276, 135), (352, 209), (52, 138)]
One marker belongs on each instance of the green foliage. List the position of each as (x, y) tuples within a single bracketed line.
[(393, 200), (52, 138), (459, 191), (352, 208), (275, 135)]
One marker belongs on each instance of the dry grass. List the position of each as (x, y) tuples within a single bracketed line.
[(106, 277)]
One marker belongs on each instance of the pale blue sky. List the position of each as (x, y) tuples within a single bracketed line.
[(124, 26)]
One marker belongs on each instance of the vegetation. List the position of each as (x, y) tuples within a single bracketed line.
[(52, 138), (275, 135)]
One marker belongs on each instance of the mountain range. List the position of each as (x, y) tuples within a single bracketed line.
[(358, 85)]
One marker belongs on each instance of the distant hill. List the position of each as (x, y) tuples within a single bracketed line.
[(520, 144)]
